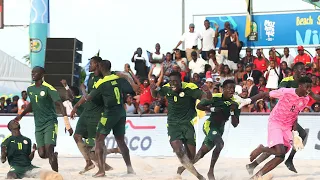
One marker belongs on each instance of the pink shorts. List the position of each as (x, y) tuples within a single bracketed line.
[(278, 134)]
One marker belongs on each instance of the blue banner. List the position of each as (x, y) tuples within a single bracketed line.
[(276, 29), (38, 31)]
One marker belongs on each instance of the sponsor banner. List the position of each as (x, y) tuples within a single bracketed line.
[(283, 29), (147, 136)]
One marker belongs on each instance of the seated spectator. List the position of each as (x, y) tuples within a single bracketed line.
[(262, 85), (273, 56), (196, 79), (249, 58), (239, 73), (283, 67), (213, 61), (306, 109), (252, 88), (196, 65), (244, 95), (13, 106), (260, 62), (181, 62), (288, 72), (22, 103), (255, 74), (316, 107), (210, 84), (261, 107), (287, 58), (273, 76), (315, 69), (146, 109), (168, 65), (208, 70), (225, 74), (315, 88), (271, 102), (129, 106), (158, 105), (3, 107)]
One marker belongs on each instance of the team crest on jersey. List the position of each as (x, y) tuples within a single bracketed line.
[(300, 103), (214, 132), (25, 142), (181, 94), (42, 93)]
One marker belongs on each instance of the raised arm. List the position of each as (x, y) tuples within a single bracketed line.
[(134, 86), (65, 85)]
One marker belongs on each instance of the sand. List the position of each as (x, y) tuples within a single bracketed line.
[(152, 168)]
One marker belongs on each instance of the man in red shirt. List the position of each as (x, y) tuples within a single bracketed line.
[(260, 63), (302, 57), (315, 89)]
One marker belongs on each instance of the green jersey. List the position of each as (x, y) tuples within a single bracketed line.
[(76, 99), (288, 82), (181, 106), (94, 107), (43, 100), (109, 90), (217, 101), (18, 150)]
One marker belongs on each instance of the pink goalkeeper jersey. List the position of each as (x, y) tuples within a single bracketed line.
[(288, 107)]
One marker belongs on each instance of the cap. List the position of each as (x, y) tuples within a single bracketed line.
[(300, 48), (191, 25), (250, 78), (248, 49), (209, 80), (317, 48)]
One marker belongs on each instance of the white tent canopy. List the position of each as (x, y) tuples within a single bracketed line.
[(14, 75)]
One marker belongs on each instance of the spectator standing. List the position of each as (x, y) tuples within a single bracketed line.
[(273, 76), (283, 67), (255, 74), (208, 40), (213, 61), (22, 103), (221, 34), (129, 106), (168, 65), (225, 74), (302, 57), (239, 73), (146, 109), (156, 59), (232, 43), (287, 57), (197, 65), (249, 58), (140, 64), (13, 106), (260, 62), (273, 55), (316, 59), (191, 41), (182, 64), (262, 85), (2, 105)]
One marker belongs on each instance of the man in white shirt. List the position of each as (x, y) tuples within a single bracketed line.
[(197, 65), (22, 103), (208, 40), (287, 57), (191, 41)]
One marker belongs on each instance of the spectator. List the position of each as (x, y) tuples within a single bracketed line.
[(213, 61), (288, 72), (306, 109), (261, 106), (225, 74), (302, 57), (210, 84), (283, 67), (22, 103), (220, 58), (191, 41), (315, 107), (208, 70), (140, 64), (262, 85), (272, 103), (252, 88), (222, 33), (315, 69), (315, 89), (168, 65), (232, 43), (244, 94), (146, 109), (255, 74), (273, 76), (273, 56), (208, 40), (316, 59), (260, 62), (129, 106), (156, 59), (287, 57), (249, 58), (2, 105), (196, 79), (13, 106), (197, 65), (182, 63), (238, 76)]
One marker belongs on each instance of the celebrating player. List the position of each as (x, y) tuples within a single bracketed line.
[(221, 105), (181, 98), (17, 149), (73, 95), (114, 116), (43, 98), (282, 120)]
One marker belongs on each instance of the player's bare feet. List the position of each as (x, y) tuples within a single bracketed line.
[(130, 170), (180, 170), (88, 167), (107, 167), (99, 174), (255, 153), (211, 176), (250, 169), (54, 162), (290, 166)]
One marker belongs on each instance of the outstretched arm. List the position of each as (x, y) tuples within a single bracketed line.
[(314, 96), (26, 111)]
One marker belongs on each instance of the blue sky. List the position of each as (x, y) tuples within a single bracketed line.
[(118, 27)]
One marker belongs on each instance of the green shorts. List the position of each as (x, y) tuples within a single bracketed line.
[(87, 127), (183, 132), (21, 171), (115, 121), (211, 131), (47, 135)]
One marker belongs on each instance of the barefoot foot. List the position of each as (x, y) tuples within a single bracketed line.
[(250, 169), (87, 168), (180, 170), (99, 174), (130, 170)]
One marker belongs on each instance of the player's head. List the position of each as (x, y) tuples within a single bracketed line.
[(13, 125), (105, 66), (305, 84), (299, 70), (75, 90), (175, 81), (37, 73), (228, 88), (94, 62)]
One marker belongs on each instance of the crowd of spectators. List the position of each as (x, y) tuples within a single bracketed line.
[(14, 104)]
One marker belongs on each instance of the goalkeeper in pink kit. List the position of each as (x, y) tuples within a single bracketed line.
[(282, 123)]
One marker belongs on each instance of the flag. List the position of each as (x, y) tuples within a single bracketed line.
[(248, 18), (98, 54), (86, 68), (315, 3)]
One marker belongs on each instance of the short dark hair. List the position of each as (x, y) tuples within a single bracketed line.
[(207, 21), (106, 65), (286, 48), (174, 73), (146, 104), (304, 80), (212, 52), (23, 92), (75, 90), (296, 65), (228, 81), (40, 68), (13, 125), (96, 59)]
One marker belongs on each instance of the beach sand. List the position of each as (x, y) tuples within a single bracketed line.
[(164, 168)]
